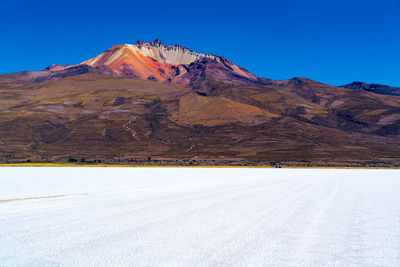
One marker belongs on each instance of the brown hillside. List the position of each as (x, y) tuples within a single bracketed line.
[(99, 117)]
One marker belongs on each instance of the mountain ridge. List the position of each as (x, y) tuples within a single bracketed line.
[(182, 66), (154, 61)]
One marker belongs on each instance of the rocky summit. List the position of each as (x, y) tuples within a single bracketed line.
[(165, 104)]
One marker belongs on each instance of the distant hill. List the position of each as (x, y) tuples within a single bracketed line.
[(375, 88)]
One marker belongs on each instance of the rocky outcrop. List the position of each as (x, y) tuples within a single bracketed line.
[(217, 69), (56, 67)]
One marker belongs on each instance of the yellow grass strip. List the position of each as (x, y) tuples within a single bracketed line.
[(176, 166)]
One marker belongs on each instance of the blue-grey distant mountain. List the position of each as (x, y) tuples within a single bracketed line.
[(375, 88)]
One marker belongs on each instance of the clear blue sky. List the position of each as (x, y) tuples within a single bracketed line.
[(332, 41)]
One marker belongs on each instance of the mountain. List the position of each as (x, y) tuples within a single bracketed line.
[(148, 61), (168, 103), (375, 88), (172, 64)]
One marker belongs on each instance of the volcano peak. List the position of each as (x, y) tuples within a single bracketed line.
[(168, 63)]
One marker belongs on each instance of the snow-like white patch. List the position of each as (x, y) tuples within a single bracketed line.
[(199, 217), (175, 55)]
